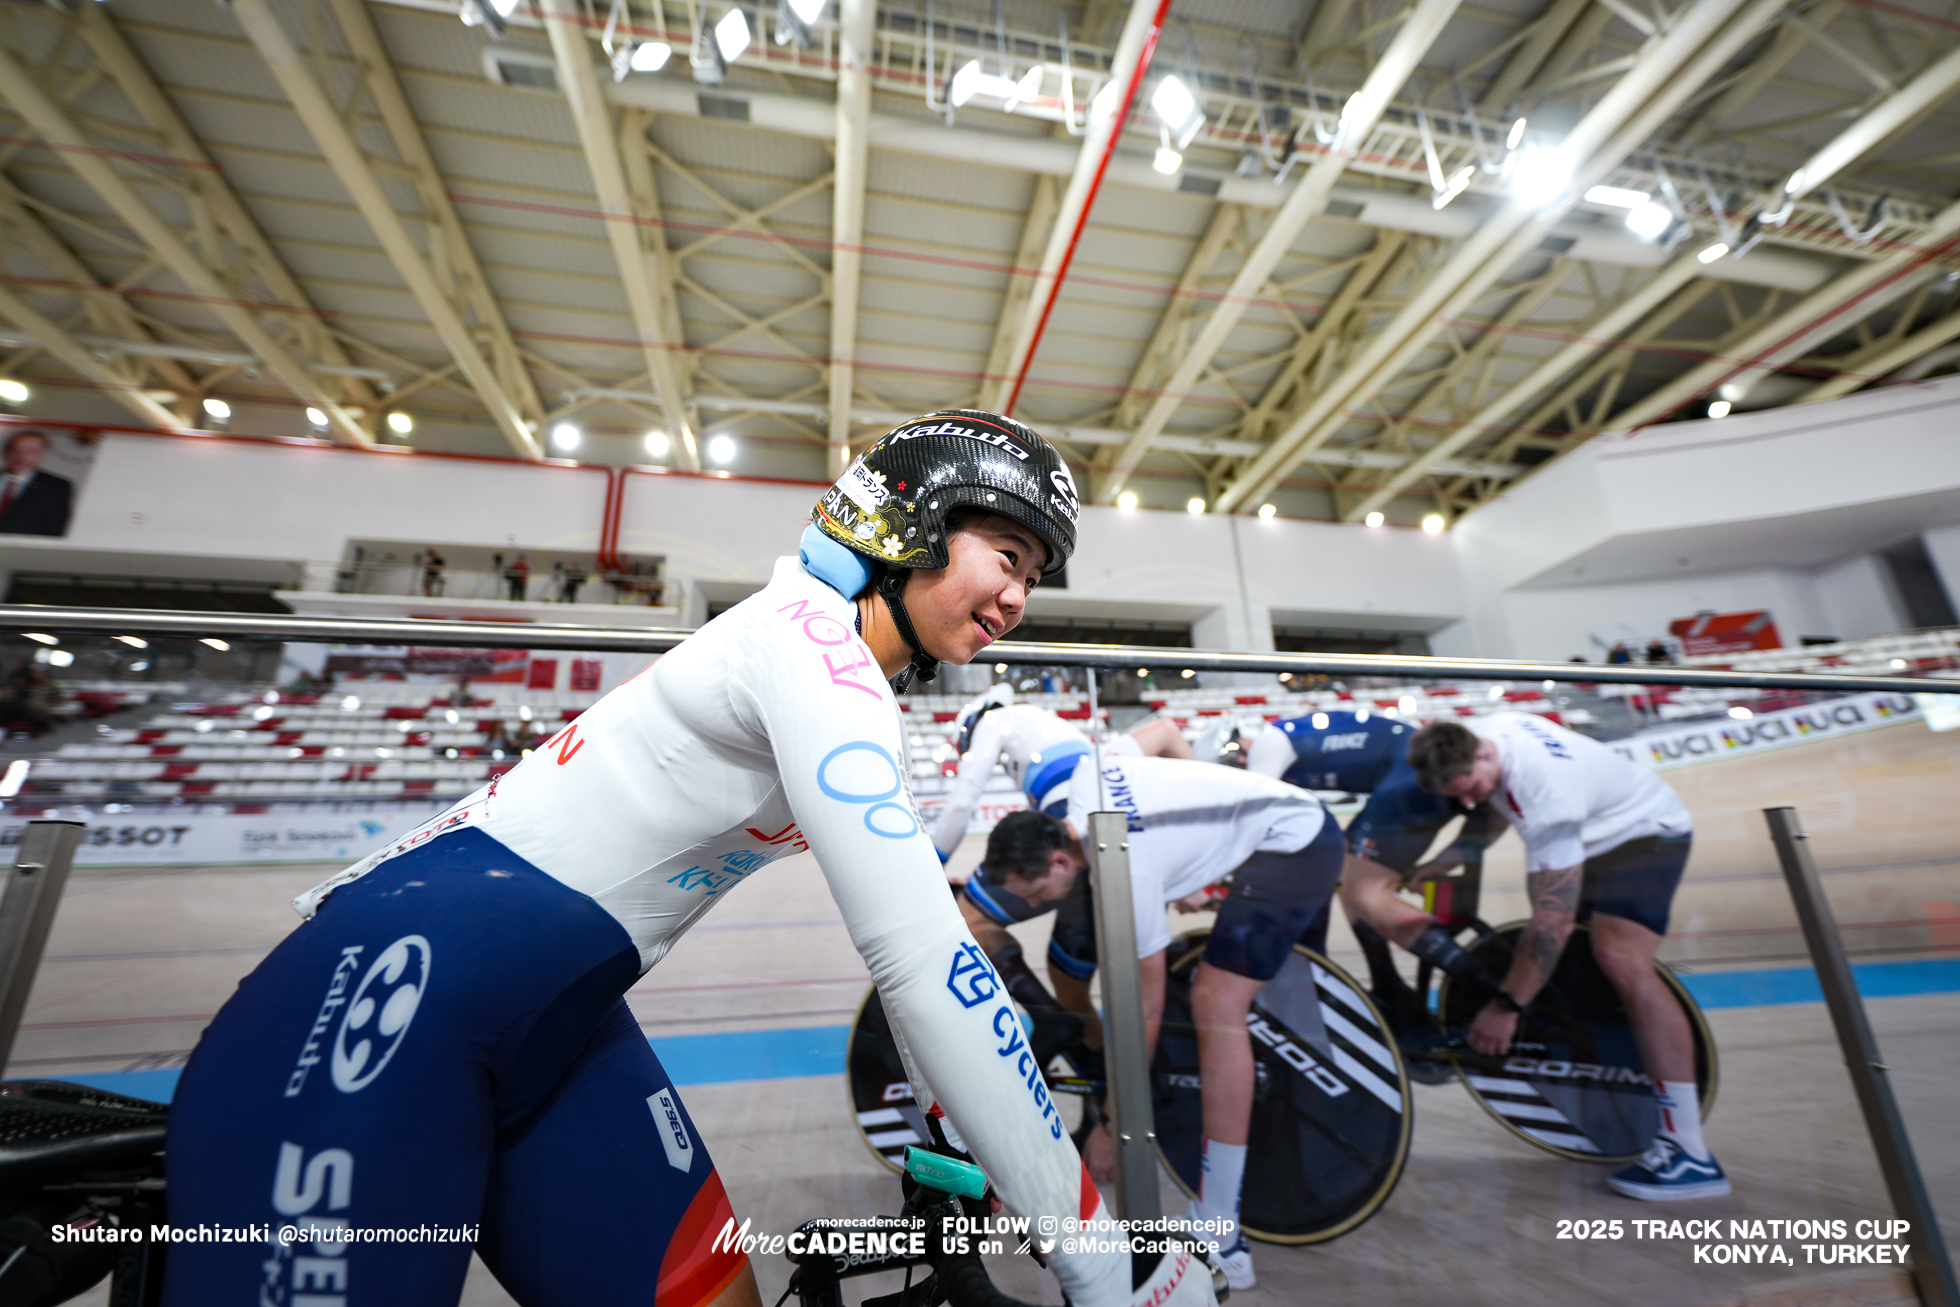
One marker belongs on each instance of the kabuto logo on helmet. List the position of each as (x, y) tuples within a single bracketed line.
[(1069, 502), (994, 438)]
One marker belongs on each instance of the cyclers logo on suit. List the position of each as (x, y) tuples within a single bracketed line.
[(378, 1016)]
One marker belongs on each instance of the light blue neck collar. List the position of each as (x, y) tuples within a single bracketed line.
[(839, 568)]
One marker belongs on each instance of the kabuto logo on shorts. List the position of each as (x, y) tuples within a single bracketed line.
[(377, 1018)]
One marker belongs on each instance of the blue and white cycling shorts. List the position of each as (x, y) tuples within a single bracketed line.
[(442, 1051)]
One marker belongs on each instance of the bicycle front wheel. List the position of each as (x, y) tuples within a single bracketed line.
[(1331, 1115)]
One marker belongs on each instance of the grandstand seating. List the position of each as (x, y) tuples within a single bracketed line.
[(378, 740)]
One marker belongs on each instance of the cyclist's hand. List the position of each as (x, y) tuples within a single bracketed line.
[(1197, 901), (1099, 1155), (1493, 1030), (1425, 872)]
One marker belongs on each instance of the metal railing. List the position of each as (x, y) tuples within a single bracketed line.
[(606, 639)]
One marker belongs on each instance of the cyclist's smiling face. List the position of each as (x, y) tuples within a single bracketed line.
[(980, 594)]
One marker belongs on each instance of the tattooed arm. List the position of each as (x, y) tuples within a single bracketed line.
[(1554, 902)]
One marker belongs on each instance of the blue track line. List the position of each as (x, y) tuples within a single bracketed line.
[(819, 1050)]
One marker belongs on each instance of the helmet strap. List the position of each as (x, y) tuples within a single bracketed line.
[(923, 665)]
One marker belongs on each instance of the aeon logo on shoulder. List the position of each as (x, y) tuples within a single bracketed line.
[(379, 1014)]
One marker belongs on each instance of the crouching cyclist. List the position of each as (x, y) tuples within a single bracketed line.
[(444, 1041), (1606, 842), (1368, 753), (1191, 824)]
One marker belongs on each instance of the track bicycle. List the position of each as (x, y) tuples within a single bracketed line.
[(90, 1160), (1573, 1082), (1331, 1117)]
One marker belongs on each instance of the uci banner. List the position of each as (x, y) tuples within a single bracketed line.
[(1682, 746)]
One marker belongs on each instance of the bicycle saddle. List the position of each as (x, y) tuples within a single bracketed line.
[(51, 1129)]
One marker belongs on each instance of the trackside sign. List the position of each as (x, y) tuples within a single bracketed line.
[(1682, 746)]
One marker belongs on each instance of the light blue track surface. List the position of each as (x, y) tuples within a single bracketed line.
[(819, 1050)]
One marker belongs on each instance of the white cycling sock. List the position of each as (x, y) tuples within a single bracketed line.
[(1218, 1186), (1680, 1104)]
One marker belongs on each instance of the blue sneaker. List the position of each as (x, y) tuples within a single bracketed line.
[(1666, 1171)]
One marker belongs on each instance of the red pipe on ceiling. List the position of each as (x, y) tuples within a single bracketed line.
[(1095, 189)]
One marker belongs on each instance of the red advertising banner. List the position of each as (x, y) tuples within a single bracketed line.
[(1720, 633)]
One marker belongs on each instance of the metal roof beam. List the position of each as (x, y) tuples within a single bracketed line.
[(50, 337), (1130, 62), (472, 288), (1424, 24), (48, 118), (640, 268), (351, 165), (856, 20), (1590, 338), (114, 55), (104, 309), (1860, 369), (1704, 37)]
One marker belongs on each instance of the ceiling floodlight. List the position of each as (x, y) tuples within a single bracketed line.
[(1127, 500), (133, 641), (315, 418), (1374, 519), (400, 423), (13, 391), (1516, 137), (794, 19), (1713, 252), (1539, 177), (40, 638), (1178, 110), (1650, 221), (1617, 197), (565, 437), (214, 643), (1719, 409), (1432, 523), (721, 450), (1166, 160), (1194, 505), (217, 408), (970, 81), (650, 56), (732, 35), (493, 15), (1266, 511), (657, 444), (1458, 182), (966, 83)]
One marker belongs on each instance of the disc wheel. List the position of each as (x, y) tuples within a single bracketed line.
[(1331, 1114), (1574, 1083), (882, 1105)]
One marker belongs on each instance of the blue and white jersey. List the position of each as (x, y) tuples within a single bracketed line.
[(769, 731), (1348, 751)]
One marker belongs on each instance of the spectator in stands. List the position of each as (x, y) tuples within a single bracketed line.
[(32, 502), (432, 565), (1620, 653), (31, 700), (568, 587), (517, 576), (1658, 652), (497, 737), (525, 738), (554, 590)]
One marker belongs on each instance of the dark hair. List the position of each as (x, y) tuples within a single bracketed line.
[(1022, 843), (1440, 752), (41, 436)]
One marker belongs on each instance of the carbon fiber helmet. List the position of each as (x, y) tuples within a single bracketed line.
[(891, 504)]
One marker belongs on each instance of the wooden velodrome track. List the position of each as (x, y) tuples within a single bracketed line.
[(139, 959)]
